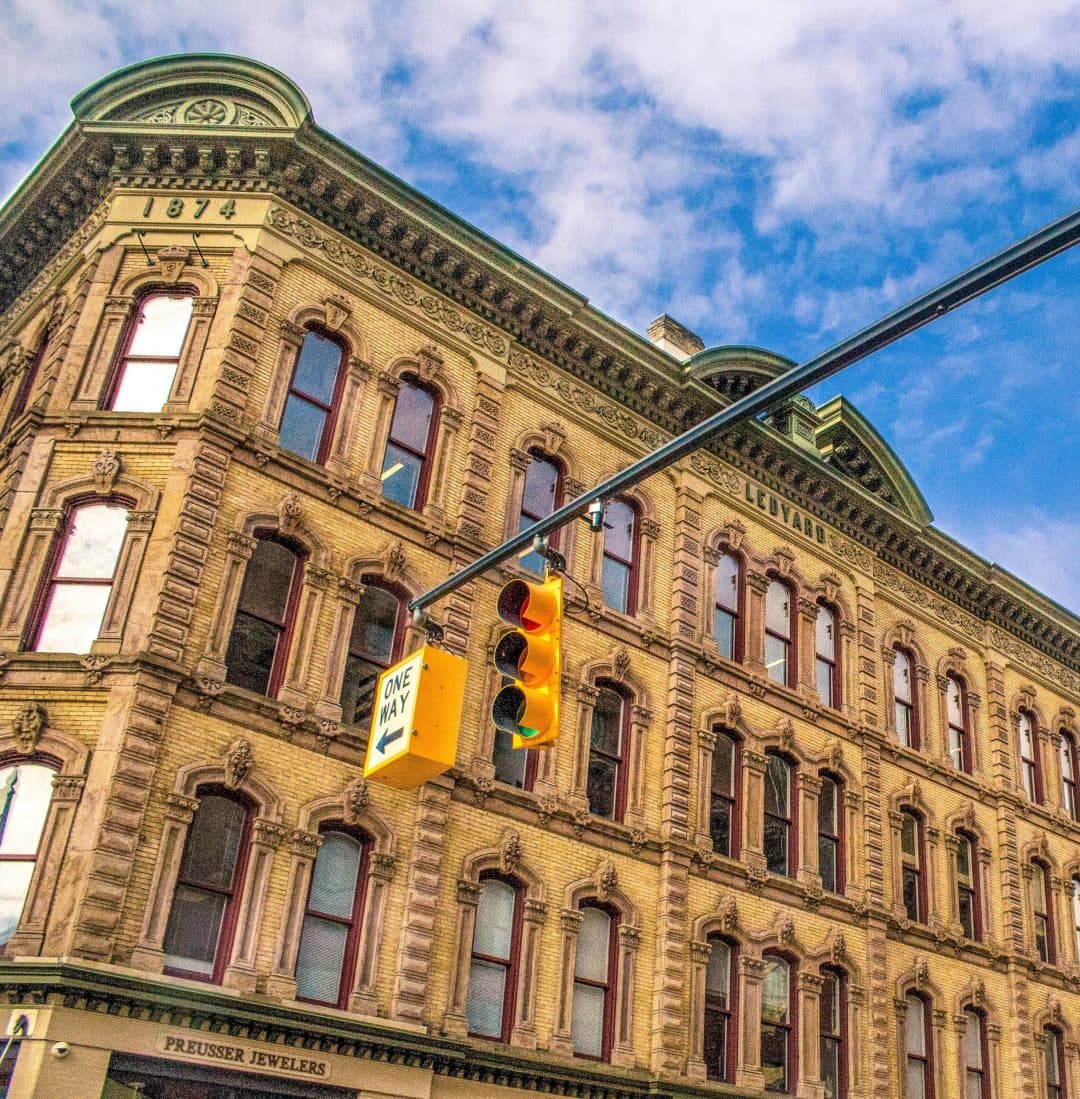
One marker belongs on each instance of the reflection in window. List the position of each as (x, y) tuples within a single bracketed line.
[(82, 578), (830, 808), (1043, 918), (493, 968), (258, 644), (332, 920), (724, 795), (919, 1069), (904, 700), (825, 667), (307, 421), (720, 1038), (777, 1031), (1070, 775), (199, 933), (778, 631), (593, 1004), (833, 1032), (778, 815), (514, 766), (967, 886), (541, 494), (606, 782), (959, 746), (1076, 915), (976, 1081), (374, 644), (619, 567), (1029, 764), (147, 369), (1054, 1064), (25, 793), (911, 861), (407, 462), (726, 614)]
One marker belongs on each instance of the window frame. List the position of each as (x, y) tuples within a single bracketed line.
[(962, 732), (1030, 770), (531, 758), (972, 1014), (973, 887), (730, 1013), (791, 821), (536, 454), (397, 645), (610, 987), (926, 1060), (27, 382), (1055, 1045), (732, 799), (915, 865), (1070, 786), (790, 1027), (512, 964), (790, 642), (1043, 919), (427, 456), (840, 1037), (838, 838), (910, 707), (835, 701), (331, 411), (738, 614), (1075, 902), (632, 566), (621, 761), (115, 375)]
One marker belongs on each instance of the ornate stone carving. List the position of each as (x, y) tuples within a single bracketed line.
[(173, 259), (729, 914), (94, 668), (355, 800), (785, 734), (731, 710), (785, 930), (607, 879), (512, 853), (290, 513), (394, 560), (620, 663), (338, 310), (105, 471), (237, 761), (837, 948), (554, 435), (28, 725)]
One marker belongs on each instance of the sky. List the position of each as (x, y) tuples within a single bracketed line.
[(778, 175)]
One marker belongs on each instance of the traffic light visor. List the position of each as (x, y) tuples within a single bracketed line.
[(530, 659), (531, 607), (523, 712)]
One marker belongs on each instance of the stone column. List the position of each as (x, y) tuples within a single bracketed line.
[(809, 870), (455, 1022), (751, 975), (304, 848), (561, 1042), (700, 951), (809, 987), (523, 1034), (753, 823), (266, 836), (757, 583)]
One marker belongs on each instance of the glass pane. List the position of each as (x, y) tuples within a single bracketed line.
[(619, 522), (916, 1080), (1038, 887), (541, 482), (724, 632), (827, 807), (375, 624), (358, 690), (593, 945), (776, 991), (250, 656), (587, 1020), (267, 580), (194, 924), (412, 417), (509, 762), (25, 793), (718, 973), (824, 674), (715, 1045), (1027, 747), (400, 475), (531, 561), (824, 633), (965, 904), (774, 1057), (776, 846), (213, 842), (909, 832), (915, 1027), (955, 702), (776, 657), (319, 960), (901, 677), (487, 989), (963, 857), (95, 533), (830, 1068), (827, 862), (494, 928), (727, 583), (903, 724), (143, 386), (911, 895), (607, 719), (161, 326), (73, 619), (1053, 1058), (723, 764), (14, 882), (1065, 747), (830, 1004), (600, 786), (317, 368), (302, 427), (973, 1085), (777, 786), (778, 609), (720, 825), (615, 584), (973, 1041), (333, 884)]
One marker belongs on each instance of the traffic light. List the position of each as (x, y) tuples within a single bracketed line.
[(531, 656)]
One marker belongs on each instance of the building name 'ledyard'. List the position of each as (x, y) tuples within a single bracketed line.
[(789, 516)]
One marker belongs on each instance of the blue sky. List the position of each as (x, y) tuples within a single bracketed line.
[(777, 175)]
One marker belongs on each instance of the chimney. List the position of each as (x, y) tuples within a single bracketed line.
[(672, 337)]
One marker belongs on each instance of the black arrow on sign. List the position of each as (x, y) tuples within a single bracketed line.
[(389, 738)]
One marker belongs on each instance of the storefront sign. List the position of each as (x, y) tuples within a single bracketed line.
[(789, 516), (212, 1050)]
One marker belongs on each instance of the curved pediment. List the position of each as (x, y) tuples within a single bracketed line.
[(195, 91), (735, 371), (851, 445)]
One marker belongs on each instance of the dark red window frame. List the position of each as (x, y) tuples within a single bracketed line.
[(911, 708), (355, 922), (927, 1059), (972, 889), (610, 987), (396, 646), (512, 965), (1070, 787), (837, 1038), (1044, 918), (1029, 765), (790, 823), (833, 839), (791, 1027), (963, 731), (329, 411), (729, 1015), (621, 761), (234, 893), (633, 565), (913, 867), (736, 612), (833, 662), (120, 360), (427, 455), (731, 799), (791, 656), (526, 518), (1055, 1048), (532, 757), (981, 1073)]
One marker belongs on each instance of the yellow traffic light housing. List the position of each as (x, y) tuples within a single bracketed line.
[(531, 655)]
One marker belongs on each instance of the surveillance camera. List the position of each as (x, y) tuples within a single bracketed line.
[(60, 1049)]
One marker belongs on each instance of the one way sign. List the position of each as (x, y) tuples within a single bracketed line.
[(416, 718)]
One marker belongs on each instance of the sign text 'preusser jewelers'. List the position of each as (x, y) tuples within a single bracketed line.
[(223, 1051), (789, 516)]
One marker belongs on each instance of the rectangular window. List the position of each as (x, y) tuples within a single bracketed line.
[(903, 700), (619, 562), (145, 375), (778, 816), (719, 1000), (829, 809), (723, 803), (590, 1025), (606, 779)]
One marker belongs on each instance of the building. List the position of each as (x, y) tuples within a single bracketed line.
[(811, 825)]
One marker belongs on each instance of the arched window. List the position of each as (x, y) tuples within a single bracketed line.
[(721, 1036), (514, 766), (833, 1032), (1076, 915), (968, 899), (592, 1015), (779, 815), (1030, 777), (724, 791), (144, 374), (376, 641), (831, 834), (780, 634), (1070, 775), (72, 603), (25, 794), (493, 969), (1042, 914), (913, 862), (259, 642), (976, 1057), (907, 726), (826, 665), (541, 495), (608, 742), (918, 1049), (1054, 1064), (202, 921), (406, 470), (727, 614), (959, 734), (619, 567), (307, 422), (778, 1035), (333, 918)]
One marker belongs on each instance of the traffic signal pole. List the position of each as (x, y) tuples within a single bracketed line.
[(1014, 260)]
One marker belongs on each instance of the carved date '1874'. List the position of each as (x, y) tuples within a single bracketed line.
[(175, 207)]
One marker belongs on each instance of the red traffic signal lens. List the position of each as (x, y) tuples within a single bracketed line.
[(530, 607)]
